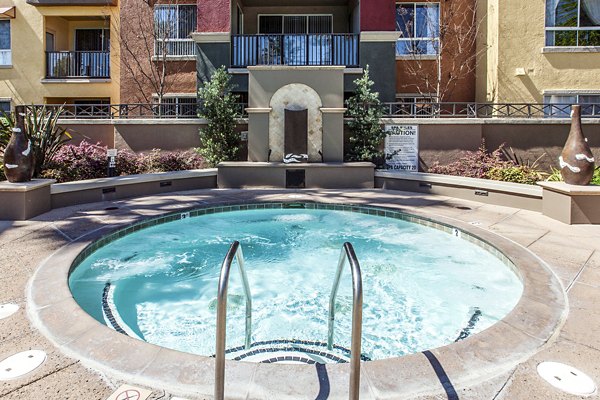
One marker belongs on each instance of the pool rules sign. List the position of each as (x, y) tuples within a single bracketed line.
[(402, 147)]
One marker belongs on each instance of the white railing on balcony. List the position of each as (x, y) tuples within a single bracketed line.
[(5, 57), (174, 48)]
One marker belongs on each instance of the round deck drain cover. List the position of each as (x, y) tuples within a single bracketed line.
[(6, 310), (566, 378), (20, 364)]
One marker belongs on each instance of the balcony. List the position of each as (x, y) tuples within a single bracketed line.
[(295, 49), (77, 65)]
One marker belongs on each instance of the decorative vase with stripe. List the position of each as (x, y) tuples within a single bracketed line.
[(576, 160)]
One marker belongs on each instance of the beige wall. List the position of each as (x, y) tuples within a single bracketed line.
[(23, 81), (514, 32)]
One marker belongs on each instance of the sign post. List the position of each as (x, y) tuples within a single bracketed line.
[(112, 162), (402, 148)]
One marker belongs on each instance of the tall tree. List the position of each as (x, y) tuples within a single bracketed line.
[(218, 140), (365, 112)]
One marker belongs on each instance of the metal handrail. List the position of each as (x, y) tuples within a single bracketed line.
[(235, 251), (357, 304)]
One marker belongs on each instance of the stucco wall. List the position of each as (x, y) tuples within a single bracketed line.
[(377, 15), (140, 70), (23, 81), (214, 16), (516, 31)]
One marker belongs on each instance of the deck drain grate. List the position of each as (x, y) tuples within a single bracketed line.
[(21, 364), (6, 310), (567, 378)]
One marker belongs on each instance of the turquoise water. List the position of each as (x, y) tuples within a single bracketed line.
[(421, 286)]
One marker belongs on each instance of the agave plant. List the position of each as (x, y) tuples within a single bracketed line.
[(41, 127)]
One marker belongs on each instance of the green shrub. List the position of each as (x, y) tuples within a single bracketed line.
[(515, 174), (556, 177), (495, 166), (365, 112), (219, 140)]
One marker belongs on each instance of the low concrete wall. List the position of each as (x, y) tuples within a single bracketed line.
[(445, 140), (274, 175), (143, 135), (22, 201), (440, 140), (94, 190), (528, 197)]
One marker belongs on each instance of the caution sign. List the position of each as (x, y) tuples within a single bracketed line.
[(402, 147), (127, 392)]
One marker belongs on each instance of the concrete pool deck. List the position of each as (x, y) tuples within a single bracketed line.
[(571, 251)]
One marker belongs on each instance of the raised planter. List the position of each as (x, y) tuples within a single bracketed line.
[(528, 197), (571, 204), (25, 200), (94, 190)]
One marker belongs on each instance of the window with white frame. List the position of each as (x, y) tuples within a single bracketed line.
[(5, 48), (5, 106), (419, 27), (572, 22), (559, 105), (173, 25), (177, 106)]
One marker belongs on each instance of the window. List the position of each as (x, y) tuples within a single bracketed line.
[(306, 39), (5, 52), (559, 105), (295, 24), (419, 27), (4, 106), (182, 106), (173, 25), (572, 22)]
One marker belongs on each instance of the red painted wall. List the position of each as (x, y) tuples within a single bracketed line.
[(377, 15), (214, 16)]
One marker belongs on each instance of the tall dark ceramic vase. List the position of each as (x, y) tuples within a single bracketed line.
[(576, 159), (18, 154)]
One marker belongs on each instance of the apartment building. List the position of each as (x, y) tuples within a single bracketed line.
[(540, 51), (57, 51)]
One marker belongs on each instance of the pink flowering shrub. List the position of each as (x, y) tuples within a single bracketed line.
[(484, 165), (473, 164), (89, 161)]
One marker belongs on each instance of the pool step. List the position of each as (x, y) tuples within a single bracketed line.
[(291, 351)]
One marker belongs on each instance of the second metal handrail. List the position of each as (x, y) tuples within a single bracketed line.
[(357, 304), (235, 251)]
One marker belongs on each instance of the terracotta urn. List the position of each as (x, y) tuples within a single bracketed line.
[(576, 160), (18, 154)]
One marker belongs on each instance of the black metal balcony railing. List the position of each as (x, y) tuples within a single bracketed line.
[(308, 49), (391, 110), (486, 110), (132, 110), (77, 64)]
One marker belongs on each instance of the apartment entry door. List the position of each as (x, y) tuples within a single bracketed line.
[(92, 55)]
